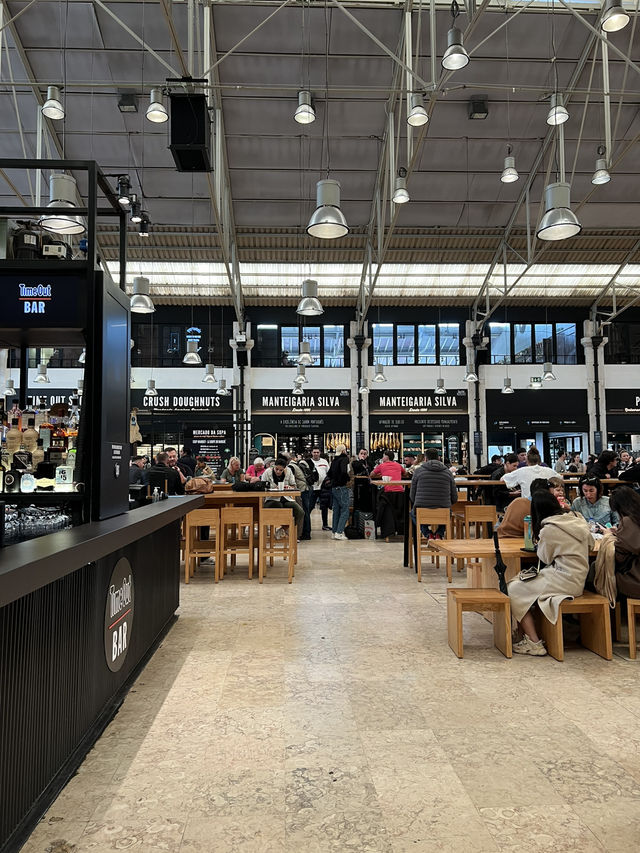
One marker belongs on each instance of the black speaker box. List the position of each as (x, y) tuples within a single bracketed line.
[(242, 355), (190, 132)]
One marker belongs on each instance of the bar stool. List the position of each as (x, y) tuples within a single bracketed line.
[(432, 517), (270, 520), (633, 608), (195, 547), (233, 521)]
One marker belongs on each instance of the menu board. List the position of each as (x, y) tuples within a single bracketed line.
[(215, 443)]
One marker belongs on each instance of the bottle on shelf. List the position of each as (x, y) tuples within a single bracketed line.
[(13, 437), (37, 455), (16, 412), (30, 434), (22, 458)]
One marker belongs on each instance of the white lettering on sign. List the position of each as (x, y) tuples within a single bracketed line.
[(38, 291), (303, 402), (443, 401), (34, 299), (119, 598), (33, 307)]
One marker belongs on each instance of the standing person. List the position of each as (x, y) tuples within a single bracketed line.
[(135, 471), (626, 503), (390, 468), (523, 477), (561, 463), (322, 467), (593, 505), (187, 462), (432, 487), (164, 477), (300, 471), (339, 477), (564, 543), (361, 467), (233, 473), (172, 462), (281, 474)]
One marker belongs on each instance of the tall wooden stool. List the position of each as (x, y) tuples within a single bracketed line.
[(460, 601), (197, 548), (233, 521), (633, 608), (432, 517), (269, 546), (595, 626)]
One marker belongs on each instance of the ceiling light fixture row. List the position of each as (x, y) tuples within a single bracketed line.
[(52, 107), (601, 174)]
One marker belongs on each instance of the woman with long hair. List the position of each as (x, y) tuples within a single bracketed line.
[(626, 503), (593, 504), (564, 543)]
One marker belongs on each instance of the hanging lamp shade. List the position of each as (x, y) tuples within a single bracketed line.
[(62, 193), (417, 112), (305, 358), (41, 375), (310, 305), (364, 388), (547, 372), (327, 221), (83, 356), (209, 373), (558, 113), (141, 302), (400, 192), (601, 174), (440, 389), (156, 111), (614, 17), (379, 373), (506, 386), (301, 378), (470, 376), (151, 388), (455, 56), (297, 391), (509, 173), (52, 107), (192, 356), (9, 388), (559, 221), (222, 391), (305, 113)]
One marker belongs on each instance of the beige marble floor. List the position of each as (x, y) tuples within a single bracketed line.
[(331, 715)]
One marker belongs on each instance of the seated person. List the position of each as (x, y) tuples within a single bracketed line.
[(255, 471), (389, 468), (500, 495), (592, 505), (512, 525), (556, 487), (202, 468), (564, 543), (626, 503), (605, 466), (233, 473), (280, 473), (163, 477)]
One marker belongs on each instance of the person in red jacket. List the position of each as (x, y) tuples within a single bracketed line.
[(389, 468)]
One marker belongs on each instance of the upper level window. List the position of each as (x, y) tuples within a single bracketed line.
[(405, 340), (521, 343), (290, 344), (383, 343), (500, 343), (449, 334), (333, 346), (543, 342), (566, 349), (426, 344)]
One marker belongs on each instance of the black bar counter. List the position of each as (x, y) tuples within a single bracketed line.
[(81, 611)]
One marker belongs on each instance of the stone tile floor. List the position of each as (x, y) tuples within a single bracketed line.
[(331, 715)]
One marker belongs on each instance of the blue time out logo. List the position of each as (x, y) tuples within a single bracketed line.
[(118, 615), (35, 298)]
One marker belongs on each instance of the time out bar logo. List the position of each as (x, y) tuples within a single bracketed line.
[(118, 616), (34, 299)]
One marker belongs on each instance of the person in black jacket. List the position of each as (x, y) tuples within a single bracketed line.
[(163, 477), (432, 487), (187, 463), (605, 467), (339, 477), (362, 488)]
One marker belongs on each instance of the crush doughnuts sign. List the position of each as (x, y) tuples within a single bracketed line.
[(118, 615)]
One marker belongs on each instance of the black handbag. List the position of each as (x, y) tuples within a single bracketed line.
[(259, 486)]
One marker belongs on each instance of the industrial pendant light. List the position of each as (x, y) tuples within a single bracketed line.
[(614, 17), (558, 113), (509, 172), (401, 193), (192, 356), (297, 391), (301, 377), (379, 373), (83, 356), (559, 221), (305, 113), (209, 373), (440, 389), (136, 210), (62, 193), (455, 56), (52, 107), (9, 388), (547, 372), (151, 388), (470, 375), (141, 302), (124, 191), (41, 376), (601, 174), (145, 224), (223, 391), (506, 386), (364, 388), (305, 358), (310, 305), (156, 111), (327, 221), (417, 112)]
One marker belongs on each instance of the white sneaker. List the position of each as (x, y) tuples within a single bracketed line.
[(526, 646), (339, 536)]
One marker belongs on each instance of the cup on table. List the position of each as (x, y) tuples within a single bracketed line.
[(281, 487), (386, 479)]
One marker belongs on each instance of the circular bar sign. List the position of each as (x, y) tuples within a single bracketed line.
[(118, 615)]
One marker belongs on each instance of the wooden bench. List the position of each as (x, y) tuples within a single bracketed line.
[(633, 608), (595, 626), (460, 601)]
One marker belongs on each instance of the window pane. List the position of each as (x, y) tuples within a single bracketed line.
[(334, 346), (500, 343), (267, 352), (290, 345), (312, 334), (522, 343), (383, 343), (544, 342), (566, 343), (405, 338), (426, 344), (449, 343)]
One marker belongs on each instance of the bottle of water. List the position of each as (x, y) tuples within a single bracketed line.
[(156, 496), (593, 527)]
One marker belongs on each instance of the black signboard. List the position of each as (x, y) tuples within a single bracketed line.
[(385, 402), (215, 443), (173, 400), (544, 410), (53, 300), (118, 615), (312, 412), (50, 397), (417, 423), (623, 401)]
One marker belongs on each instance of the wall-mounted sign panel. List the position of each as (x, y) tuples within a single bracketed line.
[(174, 400), (546, 410), (312, 412)]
